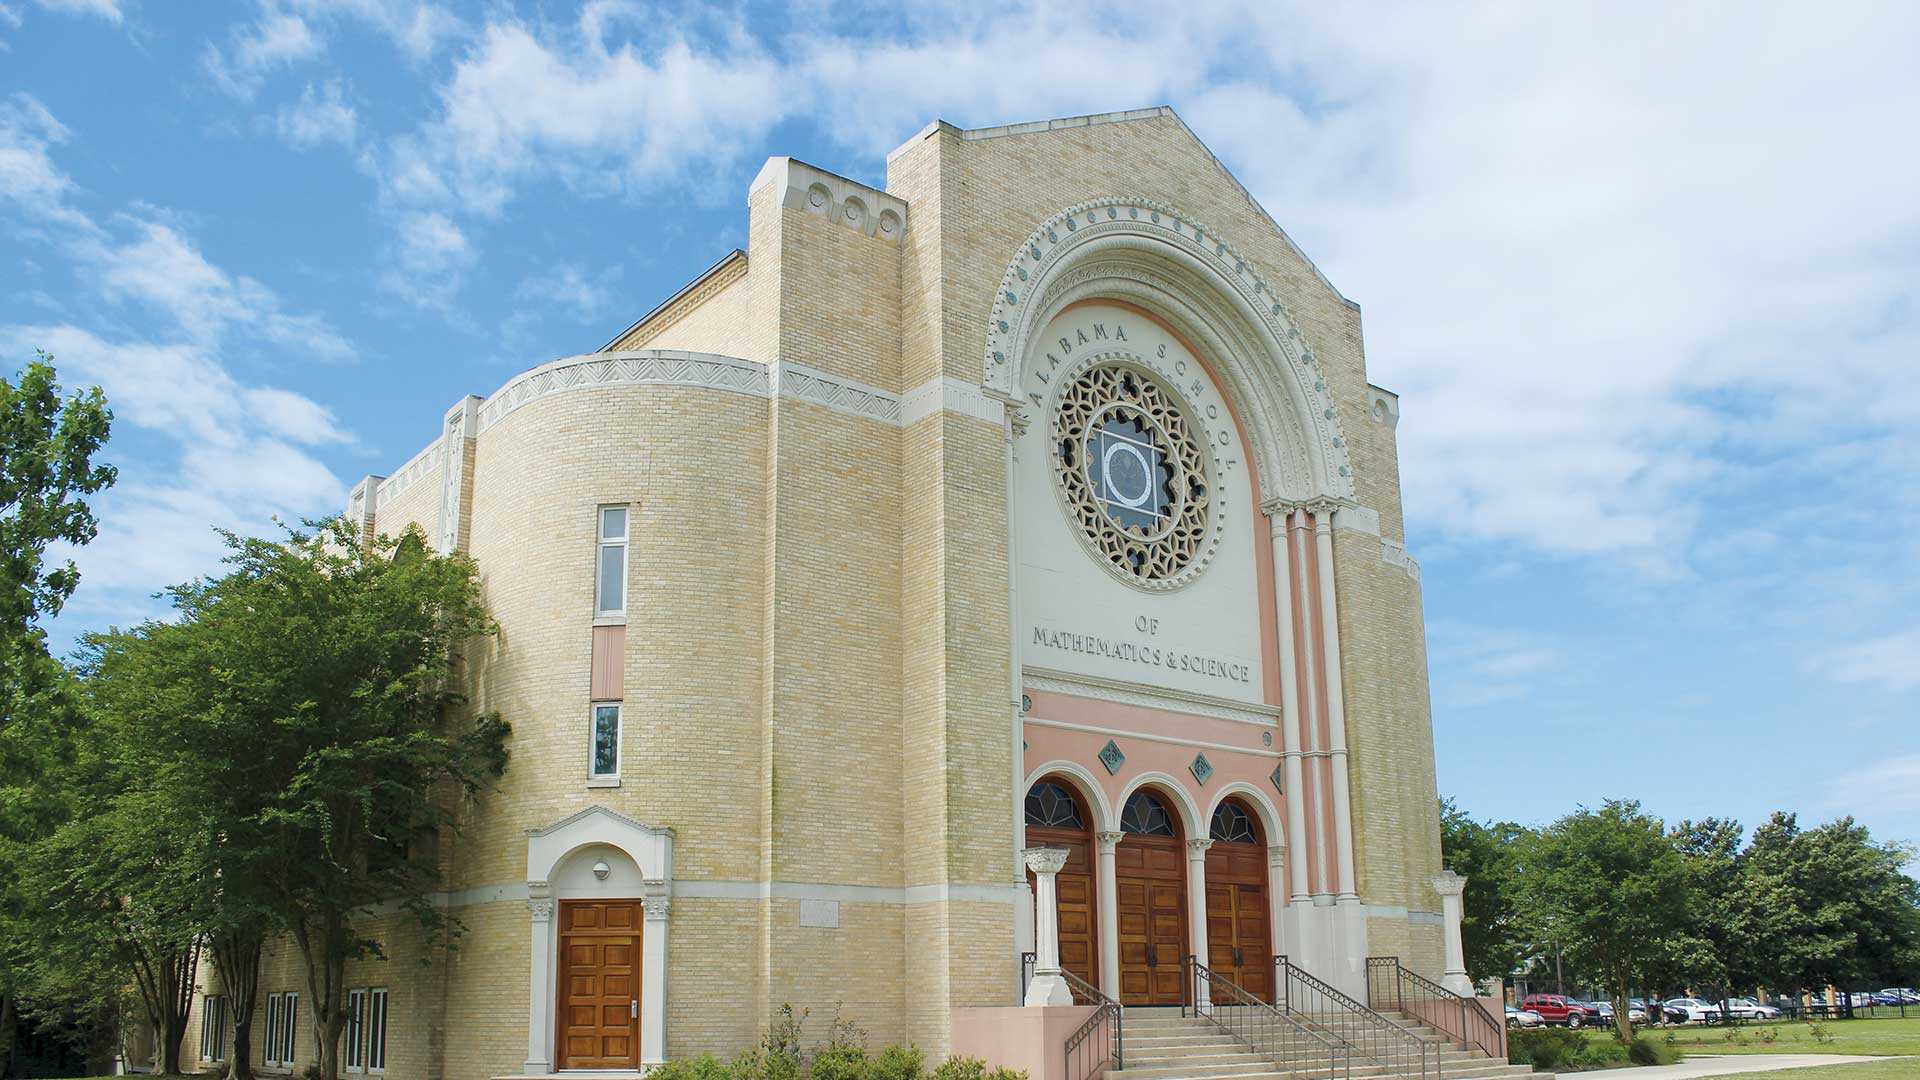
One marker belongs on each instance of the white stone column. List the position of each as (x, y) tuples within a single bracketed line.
[(653, 980), (1450, 886), (540, 982), (1300, 526), (1336, 706), (1048, 987), (1277, 897), (1197, 905), (1280, 515), (1109, 886)]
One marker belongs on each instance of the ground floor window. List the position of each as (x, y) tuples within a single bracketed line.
[(283, 1019), (213, 1028), (366, 1049)]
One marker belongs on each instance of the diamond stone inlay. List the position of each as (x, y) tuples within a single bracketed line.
[(1275, 777), (1202, 769), (1111, 757)]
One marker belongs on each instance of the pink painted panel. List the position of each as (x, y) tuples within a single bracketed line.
[(609, 663)]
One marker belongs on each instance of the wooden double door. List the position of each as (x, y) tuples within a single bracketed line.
[(1077, 912), (1150, 877), (599, 985), (1239, 935)]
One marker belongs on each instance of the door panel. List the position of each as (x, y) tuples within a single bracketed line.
[(599, 984), (1074, 900), (1239, 941), (1151, 902)]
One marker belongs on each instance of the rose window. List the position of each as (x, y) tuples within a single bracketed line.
[(1132, 474)]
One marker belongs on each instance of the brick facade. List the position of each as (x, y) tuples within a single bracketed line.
[(818, 662)]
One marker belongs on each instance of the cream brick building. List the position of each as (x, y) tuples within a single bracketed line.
[(1039, 498)]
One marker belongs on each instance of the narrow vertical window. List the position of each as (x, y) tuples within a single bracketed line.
[(219, 1029), (270, 1050), (604, 754), (611, 591), (377, 1030), (290, 1023), (356, 1029)]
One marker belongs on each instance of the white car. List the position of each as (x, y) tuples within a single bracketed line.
[(1749, 1009), (1525, 1018), (1692, 1011)]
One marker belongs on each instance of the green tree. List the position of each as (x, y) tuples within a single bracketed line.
[(47, 468), (1484, 854), (334, 660), (1609, 889)]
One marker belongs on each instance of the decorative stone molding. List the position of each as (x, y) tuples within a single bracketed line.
[(1383, 406), (803, 187), (541, 910), (361, 502), (1108, 841), (657, 907), (1197, 849), (801, 383), (1149, 697), (950, 395), (1394, 554), (455, 434), (403, 477), (1028, 292), (1277, 853), (1447, 883), (1044, 860)]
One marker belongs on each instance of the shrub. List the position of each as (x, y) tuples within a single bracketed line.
[(1544, 1048), (900, 1063), (966, 1068), (1647, 1050), (704, 1067), (1597, 1054), (842, 1062)]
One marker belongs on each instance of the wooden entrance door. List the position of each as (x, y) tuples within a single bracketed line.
[(1057, 817), (1239, 942), (599, 984), (1150, 872)]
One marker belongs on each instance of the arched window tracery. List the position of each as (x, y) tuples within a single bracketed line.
[(1051, 805), (1233, 825), (1144, 815)]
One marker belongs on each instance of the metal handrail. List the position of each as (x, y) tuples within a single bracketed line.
[(1082, 1044), (1372, 1036), (1292, 1045), (1463, 1019)]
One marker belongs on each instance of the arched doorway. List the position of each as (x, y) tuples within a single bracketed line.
[(1150, 877), (1057, 817), (1239, 940)]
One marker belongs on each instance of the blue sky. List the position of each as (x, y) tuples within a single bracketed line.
[(1645, 281)]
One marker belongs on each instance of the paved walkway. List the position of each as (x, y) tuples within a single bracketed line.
[(1729, 1064)]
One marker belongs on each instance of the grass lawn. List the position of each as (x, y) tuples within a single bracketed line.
[(1881, 1037), (1905, 1069)]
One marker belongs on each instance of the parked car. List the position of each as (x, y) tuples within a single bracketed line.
[(1691, 1011), (1523, 1018), (1598, 1013), (1753, 1010), (1898, 995), (1555, 1009)]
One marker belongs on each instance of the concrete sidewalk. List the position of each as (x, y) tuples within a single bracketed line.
[(1729, 1064)]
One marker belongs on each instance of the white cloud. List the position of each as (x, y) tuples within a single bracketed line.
[(99, 9), (1890, 660), (417, 28), (28, 177), (430, 255), (1475, 666), (321, 116), (1889, 787), (567, 286), (274, 40)]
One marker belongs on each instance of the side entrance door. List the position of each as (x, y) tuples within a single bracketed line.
[(599, 984)]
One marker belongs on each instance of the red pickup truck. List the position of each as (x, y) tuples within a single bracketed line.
[(1555, 1009)]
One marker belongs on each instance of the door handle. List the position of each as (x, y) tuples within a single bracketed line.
[(1236, 956), (633, 1008), (1151, 959)]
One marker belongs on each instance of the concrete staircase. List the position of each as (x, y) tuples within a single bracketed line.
[(1160, 1044)]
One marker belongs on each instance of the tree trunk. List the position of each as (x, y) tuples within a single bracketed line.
[(176, 1002), (1622, 1023), (326, 954), (237, 956), (6, 1034)]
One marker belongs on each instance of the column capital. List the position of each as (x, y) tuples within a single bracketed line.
[(1197, 849), (1280, 508), (657, 907), (540, 908), (1109, 841), (1277, 853), (1044, 860), (1448, 883)]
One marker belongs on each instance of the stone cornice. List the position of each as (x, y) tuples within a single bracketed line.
[(814, 190), (1149, 697)]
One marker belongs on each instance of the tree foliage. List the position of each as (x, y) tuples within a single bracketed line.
[(1491, 932)]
